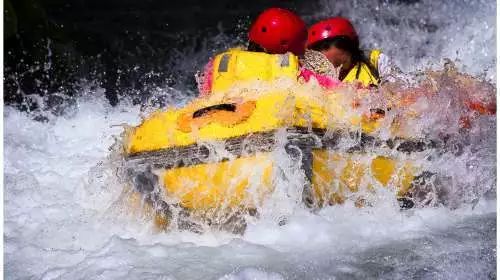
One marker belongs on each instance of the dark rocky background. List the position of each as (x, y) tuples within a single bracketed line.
[(127, 47)]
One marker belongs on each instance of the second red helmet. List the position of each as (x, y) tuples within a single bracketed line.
[(279, 31), (329, 28)]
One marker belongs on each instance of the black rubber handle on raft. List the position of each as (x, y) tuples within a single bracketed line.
[(378, 111), (219, 107)]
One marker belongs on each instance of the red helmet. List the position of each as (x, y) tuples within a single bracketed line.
[(329, 28), (279, 31)]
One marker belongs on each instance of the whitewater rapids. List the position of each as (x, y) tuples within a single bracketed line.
[(60, 212)]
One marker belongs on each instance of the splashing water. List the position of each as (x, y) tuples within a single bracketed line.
[(63, 218), (423, 33)]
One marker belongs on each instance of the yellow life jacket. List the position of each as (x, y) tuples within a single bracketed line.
[(361, 72), (237, 65)]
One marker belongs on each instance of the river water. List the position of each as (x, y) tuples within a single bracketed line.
[(62, 220)]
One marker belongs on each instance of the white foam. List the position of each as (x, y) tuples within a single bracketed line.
[(60, 212)]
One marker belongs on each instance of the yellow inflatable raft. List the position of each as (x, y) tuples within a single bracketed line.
[(218, 153)]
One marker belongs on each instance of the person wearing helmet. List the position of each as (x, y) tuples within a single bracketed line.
[(274, 31), (334, 52)]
